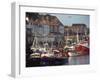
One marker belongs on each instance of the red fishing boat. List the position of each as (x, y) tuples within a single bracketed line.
[(82, 48)]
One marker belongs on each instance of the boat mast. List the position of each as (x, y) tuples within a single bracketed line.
[(77, 36), (35, 41)]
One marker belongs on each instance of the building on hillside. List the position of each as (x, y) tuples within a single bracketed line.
[(47, 28), (71, 32)]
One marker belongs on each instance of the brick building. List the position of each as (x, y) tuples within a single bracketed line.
[(71, 32)]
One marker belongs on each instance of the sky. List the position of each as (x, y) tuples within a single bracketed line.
[(69, 19)]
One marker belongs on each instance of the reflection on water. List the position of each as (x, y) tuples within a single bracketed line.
[(78, 60)]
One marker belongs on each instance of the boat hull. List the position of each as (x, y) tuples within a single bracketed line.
[(82, 50)]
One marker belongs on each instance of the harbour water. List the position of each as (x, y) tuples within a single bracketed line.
[(76, 60)]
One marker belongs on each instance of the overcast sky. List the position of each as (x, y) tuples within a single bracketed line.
[(69, 19)]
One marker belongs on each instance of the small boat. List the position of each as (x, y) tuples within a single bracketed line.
[(60, 52), (35, 55), (47, 55), (71, 51)]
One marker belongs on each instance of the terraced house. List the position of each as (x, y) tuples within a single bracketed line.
[(46, 28)]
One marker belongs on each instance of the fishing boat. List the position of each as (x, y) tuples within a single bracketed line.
[(82, 48), (45, 56)]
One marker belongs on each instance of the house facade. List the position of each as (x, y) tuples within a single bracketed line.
[(47, 28), (76, 30)]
